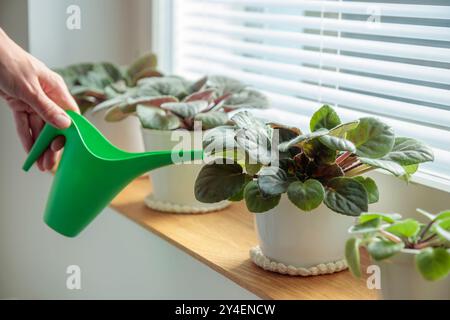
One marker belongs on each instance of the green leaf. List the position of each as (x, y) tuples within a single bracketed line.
[(387, 165), (272, 181), (407, 228), (306, 195), (186, 109), (352, 256), (147, 61), (338, 144), (217, 182), (252, 168), (371, 188), (346, 196), (283, 147), (219, 139), (115, 114), (409, 171), (383, 249), (224, 85), (443, 215), (240, 195), (387, 217), (247, 99), (212, 119), (256, 202), (284, 133), (442, 228), (342, 129), (371, 225), (314, 149), (253, 137), (325, 117), (155, 118), (372, 138), (433, 263), (407, 151)]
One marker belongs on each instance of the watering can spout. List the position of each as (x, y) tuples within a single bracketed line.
[(92, 172)]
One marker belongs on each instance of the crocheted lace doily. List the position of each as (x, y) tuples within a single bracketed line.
[(323, 268), (177, 208)]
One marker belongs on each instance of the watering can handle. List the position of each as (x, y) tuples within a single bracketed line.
[(41, 144)]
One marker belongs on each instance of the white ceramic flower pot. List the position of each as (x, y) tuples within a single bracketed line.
[(173, 186), (125, 134), (401, 280), (297, 239)]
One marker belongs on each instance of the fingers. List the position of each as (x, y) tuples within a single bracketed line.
[(58, 143), (56, 89), (23, 129), (48, 110)]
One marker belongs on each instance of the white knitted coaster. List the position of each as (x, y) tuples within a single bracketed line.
[(177, 208), (323, 268)]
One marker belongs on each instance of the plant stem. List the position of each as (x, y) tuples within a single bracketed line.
[(352, 166), (359, 170), (425, 230), (343, 157), (427, 244), (391, 236)]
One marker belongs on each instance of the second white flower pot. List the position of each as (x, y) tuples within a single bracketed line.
[(124, 134), (173, 186), (301, 243), (400, 279)]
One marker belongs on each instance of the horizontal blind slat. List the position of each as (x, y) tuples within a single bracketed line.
[(357, 101), (361, 8), (359, 27), (351, 45), (395, 69)]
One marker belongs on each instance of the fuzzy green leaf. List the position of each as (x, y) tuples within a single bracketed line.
[(433, 263), (217, 182), (325, 118), (352, 256), (371, 225), (407, 228), (346, 196), (372, 138), (371, 188), (387, 165), (256, 202), (212, 119), (155, 118), (272, 181), (383, 249), (387, 217), (338, 144), (407, 151), (306, 195)]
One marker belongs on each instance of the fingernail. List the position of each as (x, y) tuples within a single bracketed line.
[(62, 121)]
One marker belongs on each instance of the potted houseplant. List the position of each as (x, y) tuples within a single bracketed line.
[(414, 257), (93, 83), (293, 181), (174, 112)]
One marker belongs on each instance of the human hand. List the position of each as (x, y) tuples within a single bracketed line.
[(35, 95)]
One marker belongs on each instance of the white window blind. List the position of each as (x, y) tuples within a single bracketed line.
[(388, 59)]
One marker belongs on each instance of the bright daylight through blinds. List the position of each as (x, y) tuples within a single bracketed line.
[(389, 59)]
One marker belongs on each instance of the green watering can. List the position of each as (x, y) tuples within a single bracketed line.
[(91, 173)]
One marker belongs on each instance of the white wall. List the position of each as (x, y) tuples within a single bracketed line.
[(118, 258)]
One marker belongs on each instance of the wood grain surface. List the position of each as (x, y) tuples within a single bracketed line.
[(222, 241)]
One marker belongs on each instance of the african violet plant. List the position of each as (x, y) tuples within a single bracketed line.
[(385, 235), (172, 102), (324, 165), (93, 83)]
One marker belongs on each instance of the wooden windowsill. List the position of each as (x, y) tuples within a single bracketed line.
[(222, 241)]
